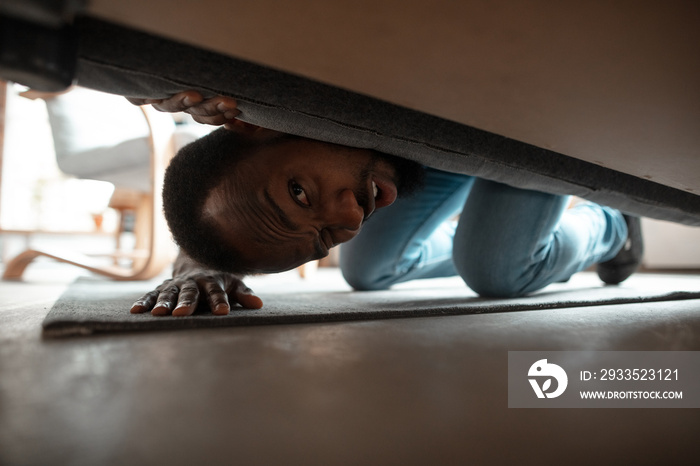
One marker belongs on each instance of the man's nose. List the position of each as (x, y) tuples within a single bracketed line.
[(345, 212)]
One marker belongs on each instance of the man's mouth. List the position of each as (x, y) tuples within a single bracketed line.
[(384, 192), (326, 241)]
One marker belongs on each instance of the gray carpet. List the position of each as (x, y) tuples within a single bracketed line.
[(92, 305)]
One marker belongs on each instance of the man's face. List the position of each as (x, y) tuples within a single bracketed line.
[(296, 199)]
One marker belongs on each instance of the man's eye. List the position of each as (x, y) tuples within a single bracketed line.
[(299, 193)]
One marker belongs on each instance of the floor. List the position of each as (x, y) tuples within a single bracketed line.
[(404, 391)]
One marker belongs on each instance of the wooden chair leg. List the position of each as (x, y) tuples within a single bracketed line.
[(307, 270), (143, 214), (15, 268)]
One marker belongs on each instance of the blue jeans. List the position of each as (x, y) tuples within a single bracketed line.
[(507, 242)]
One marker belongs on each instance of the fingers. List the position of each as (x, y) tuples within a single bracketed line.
[(215, 111), (139, 101), (180, 296), (145, 302), (187, 300), (215, 295), (178, 103), (167, 300), (182, 300), (246, 298)]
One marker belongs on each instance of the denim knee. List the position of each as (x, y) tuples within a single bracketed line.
[(362, 274), (489, 277), (361, 281), (490, 285)]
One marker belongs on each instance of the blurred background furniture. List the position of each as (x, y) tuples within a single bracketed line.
[(102, 137)]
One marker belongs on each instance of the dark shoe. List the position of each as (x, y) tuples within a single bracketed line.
[(627, 261)]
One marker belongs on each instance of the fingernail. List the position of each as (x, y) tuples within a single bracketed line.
[(178, 311), (221, 309), (226, 107), (188, 101), (161, 308), (230, 115)]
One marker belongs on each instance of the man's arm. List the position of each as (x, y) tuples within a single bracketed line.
[(192, 283)]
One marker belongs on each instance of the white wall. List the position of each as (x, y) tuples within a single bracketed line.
[(670, 245)]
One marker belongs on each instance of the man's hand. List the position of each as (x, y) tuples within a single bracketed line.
[(216, 111), (191, 284)]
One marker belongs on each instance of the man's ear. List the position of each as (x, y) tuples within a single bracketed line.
[(251, 130)]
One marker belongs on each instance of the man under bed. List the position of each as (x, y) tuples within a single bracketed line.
[(249, 200)]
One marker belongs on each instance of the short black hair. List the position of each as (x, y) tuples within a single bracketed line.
[(191, 175)]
